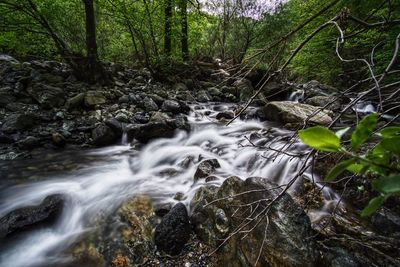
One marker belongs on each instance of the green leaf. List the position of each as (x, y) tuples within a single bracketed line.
[(357, 168), (341, 132), (363, 130), (320, 138), (392, 144), (373, 205), (388, 185), (339, 168), (390, 131)]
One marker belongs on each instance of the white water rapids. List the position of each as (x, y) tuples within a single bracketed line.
[(159, 169)]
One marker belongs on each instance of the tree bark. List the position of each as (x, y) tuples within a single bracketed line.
[(167, 30), (184, 33), (93, 67)]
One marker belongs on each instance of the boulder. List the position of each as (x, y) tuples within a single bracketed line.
[(47, 96), (93, 98), (58, 140), (227, 114), (75, 102), (174, 230), (292, 112), (205, 168), (6, 98), (26, 217), (19, 122), (29, 142), (315, 88), (149, 131), (278, 236), (149, 104), (203, 96), (322, 101), (245, 89), (103, 135), (171, 106)]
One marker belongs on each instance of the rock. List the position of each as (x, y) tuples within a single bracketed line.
[(322, 101), (123, 99), (75, 102), (171, 106), (291, 112), (149, 104), (214, 91), (26, 217), (93, 98), (180, 87), (315, 88), (6, 139), (203, 96), (159, 117), (228, 114), (58, 139), (149, 131), (29, 143), (116, 126), (47, 96), (19, 122), (6, 98), (205, 168), (141, 117), (122, 117), (275, 91), (103, 135), (245, 89), (289, 237), (386, 222), (173, 232)]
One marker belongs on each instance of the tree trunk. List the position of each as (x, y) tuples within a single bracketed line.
[(93, 66), (167, 31), (184, 34)]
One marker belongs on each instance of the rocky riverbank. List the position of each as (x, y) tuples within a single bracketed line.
[(44, 108)]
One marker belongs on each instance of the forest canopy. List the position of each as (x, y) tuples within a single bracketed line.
[(149, 32)]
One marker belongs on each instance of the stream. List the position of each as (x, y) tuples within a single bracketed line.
[(97, 181)]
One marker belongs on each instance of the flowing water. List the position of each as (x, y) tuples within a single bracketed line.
[(99, 180)]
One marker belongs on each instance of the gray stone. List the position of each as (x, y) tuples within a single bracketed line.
[(103, 135), (291, 112), (19, 122), (75, 102), (47, 96), (93, 98), (171, 106), (205, 168), (149, 104)]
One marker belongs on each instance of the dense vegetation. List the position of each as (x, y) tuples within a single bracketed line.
[(148, 32)]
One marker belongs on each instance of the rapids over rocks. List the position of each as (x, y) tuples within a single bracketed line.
[(94, 183)]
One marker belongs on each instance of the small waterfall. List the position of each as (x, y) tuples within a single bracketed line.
[(160, 169), (296, 96)]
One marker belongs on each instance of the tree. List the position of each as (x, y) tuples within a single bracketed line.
[(167, 27), (184, 30)]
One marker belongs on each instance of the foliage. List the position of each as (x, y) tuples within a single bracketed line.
[(382, 160)]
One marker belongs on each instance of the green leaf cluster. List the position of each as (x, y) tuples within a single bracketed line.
[(381, 160)]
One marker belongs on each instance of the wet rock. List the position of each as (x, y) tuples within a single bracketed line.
[(103, 135), (315, 88), (386, 222), (173, 232), (26, 217), (149, 104), (228, 114), (19, 122), (6, 139), (47, 96), (58, 140), (322, 101), (29, 142), (149, 131), (123, 99), (93, 98), (291, 112), (116, 126), (203, 96), (275, 91), (205, 168), (180, 87), (287, 228), (141, 117), (171, 106), (75, 102), (245, 89)]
